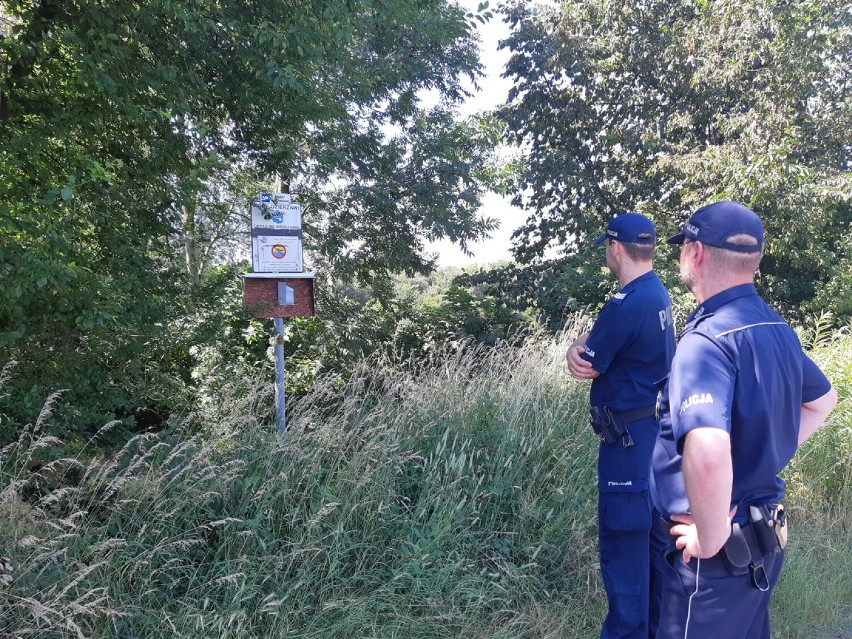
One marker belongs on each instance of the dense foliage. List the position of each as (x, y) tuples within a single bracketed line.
[(133, 135), (663, 106)]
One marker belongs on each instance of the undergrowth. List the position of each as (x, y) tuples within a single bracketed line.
[(453, 497)]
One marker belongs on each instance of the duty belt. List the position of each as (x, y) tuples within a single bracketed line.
[(764, 534), (611, 425), (635, 414)]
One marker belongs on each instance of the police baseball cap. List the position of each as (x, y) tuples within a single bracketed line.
[(630, 227), (716, 223)]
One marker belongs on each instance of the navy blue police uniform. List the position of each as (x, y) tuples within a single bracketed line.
[(738, 367), (631, 345)]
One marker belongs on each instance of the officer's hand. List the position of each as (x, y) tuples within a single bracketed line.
[(578, 367), (687, 537)]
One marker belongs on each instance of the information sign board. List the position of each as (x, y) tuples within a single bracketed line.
[(276, 234), (280, 215), (277, 253)]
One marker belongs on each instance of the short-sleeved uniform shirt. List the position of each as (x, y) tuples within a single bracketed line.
[(738, 367), (631, 345)]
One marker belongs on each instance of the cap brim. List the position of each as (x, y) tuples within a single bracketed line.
[(677, 239), (601, 238)]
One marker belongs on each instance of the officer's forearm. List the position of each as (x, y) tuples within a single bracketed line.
[(580, 368), (708, 474), (814, 414)]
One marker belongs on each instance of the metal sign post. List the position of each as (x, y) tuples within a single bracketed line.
[(280, 419), (278, 287)]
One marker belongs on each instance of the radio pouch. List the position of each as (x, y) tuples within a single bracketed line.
[(605, 424)]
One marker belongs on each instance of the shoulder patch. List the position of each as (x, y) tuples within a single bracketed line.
[(618, 298)]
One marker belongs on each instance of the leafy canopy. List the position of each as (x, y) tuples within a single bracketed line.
[(130, 132), (662, 106)]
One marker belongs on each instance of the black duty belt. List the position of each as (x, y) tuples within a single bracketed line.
[(635, 414), (764, 533), (611, 425)]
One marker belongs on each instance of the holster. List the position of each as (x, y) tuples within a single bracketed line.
[(611, 425), (748, 544), (763, 522), (606, 424)]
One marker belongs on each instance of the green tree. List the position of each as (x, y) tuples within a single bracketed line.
[(663, 106), (211, 216), (423, 183), (119, 119)]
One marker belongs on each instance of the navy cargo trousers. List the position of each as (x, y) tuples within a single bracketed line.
[(626, 537)]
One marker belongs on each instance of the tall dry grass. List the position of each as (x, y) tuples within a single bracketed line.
[(446, 497)]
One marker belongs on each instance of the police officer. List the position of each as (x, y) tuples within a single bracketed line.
[(626, 353), (740, 398)]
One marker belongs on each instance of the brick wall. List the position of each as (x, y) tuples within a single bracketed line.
[(260, 295)]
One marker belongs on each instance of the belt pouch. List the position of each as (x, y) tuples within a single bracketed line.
[(766, 538), (736, 552), (606, 425)]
